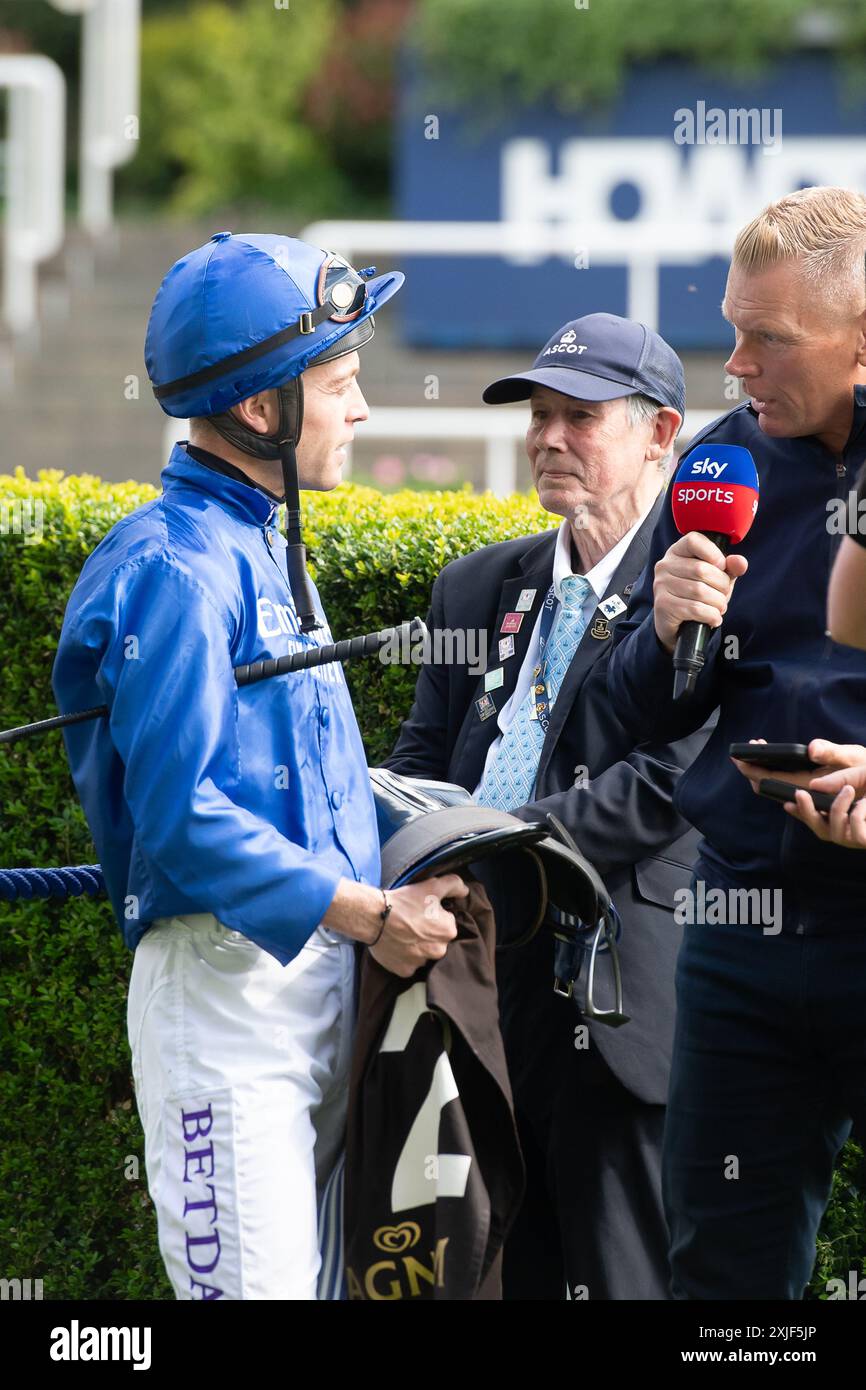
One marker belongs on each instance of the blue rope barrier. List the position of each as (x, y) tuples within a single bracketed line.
[(71, 882)]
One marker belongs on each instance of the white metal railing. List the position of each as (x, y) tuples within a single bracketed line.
[(501, 430), (34, 217), (110, 39), (642, 248)]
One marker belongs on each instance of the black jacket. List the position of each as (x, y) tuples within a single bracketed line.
[(623, 820), (771, 668)]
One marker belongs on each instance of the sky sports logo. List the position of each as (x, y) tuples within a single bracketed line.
[(77, 1343), (707, 465), (703, 468), (701, 501), (705, 494)]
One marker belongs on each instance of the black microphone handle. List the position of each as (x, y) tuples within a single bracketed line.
[(692, 638)]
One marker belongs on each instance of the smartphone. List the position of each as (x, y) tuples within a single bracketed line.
[(786, 791), (781, 757)]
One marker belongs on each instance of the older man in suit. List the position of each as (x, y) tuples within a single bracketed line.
[(537, 734)]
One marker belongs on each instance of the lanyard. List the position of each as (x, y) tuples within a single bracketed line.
[(541, 708)]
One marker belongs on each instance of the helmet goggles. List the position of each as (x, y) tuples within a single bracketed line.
[(341, 294), (343, 287)]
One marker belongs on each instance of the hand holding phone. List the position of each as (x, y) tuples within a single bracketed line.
[(787, 791), (779, 757)]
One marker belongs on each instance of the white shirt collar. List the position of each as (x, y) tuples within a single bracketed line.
[(604, 569)]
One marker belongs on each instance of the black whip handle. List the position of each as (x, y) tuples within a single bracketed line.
[(253, 671)]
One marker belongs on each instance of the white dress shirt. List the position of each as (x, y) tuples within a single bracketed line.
[(599, 578)]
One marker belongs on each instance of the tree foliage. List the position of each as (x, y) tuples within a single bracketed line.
[(501, 52), (222, 97)]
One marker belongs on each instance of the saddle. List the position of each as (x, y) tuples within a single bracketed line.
[(534, 873)]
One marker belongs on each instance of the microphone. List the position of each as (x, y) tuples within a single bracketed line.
[(715, 490)]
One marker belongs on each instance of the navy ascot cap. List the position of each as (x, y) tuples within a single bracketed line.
[(598, 358)]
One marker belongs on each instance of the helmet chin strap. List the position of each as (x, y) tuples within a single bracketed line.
[(281, 445), (296, 553)]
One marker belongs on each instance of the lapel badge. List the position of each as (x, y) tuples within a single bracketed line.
[(506, 648), (628, 588), (511, 622), (612, 607), (494, 679), (600, 629), (526, 600), (485, 707)]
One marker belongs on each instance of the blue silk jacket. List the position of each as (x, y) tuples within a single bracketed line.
[(250, 803)]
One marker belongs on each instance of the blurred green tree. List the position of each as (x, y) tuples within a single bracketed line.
[(37, 26), (493, 54), (247, 102), (352, 100), (222, 97)]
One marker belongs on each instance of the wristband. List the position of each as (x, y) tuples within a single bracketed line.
[(384, 915)]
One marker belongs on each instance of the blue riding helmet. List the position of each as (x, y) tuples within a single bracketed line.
[(248, 313)]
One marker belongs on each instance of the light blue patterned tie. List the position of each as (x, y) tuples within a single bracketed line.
[(510, 777)]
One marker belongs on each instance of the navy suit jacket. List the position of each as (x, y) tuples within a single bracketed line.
[(622, 816)]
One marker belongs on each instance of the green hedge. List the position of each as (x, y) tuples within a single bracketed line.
[(75, 1210)]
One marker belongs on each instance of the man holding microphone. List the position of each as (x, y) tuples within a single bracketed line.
[(769, 1062)]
